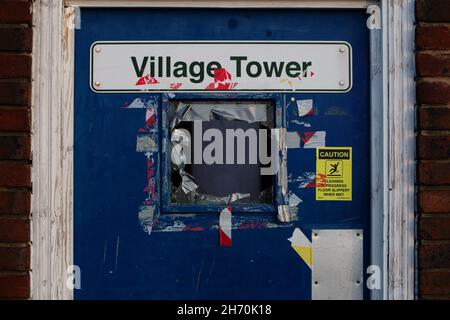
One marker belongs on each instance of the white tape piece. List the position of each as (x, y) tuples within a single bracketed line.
[(294, 200), (305, 107)]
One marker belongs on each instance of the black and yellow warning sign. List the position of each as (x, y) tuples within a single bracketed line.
[(334, 174)]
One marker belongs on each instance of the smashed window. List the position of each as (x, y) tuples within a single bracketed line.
[(221, 152)]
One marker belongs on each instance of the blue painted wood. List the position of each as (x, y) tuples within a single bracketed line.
[(181, 258)]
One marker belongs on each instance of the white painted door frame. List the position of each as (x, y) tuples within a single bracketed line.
[(393, 140)]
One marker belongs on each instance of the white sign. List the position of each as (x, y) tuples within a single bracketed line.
[(221, 66)]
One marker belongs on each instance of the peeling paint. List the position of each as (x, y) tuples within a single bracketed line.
[(146, 214)]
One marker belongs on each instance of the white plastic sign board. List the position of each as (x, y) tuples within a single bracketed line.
[(221, 66)]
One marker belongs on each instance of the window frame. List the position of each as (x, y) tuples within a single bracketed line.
[(167, 207)]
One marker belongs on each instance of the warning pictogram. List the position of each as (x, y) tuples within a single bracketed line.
[(334, 168)]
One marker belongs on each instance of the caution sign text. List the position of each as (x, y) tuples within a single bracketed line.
[(334, 174)]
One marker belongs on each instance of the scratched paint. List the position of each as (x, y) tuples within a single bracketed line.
[(307, 180)]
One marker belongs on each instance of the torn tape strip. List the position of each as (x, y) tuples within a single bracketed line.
[(225, 227), (302, 246)]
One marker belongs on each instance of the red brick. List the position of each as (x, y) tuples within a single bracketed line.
[(15, 93), (14, 286), (15, 66), (15, 147), (14, 230), (15, 12), (434, 256), (434, 173), (15, 119), (14, 175), (433, 63), (434, 282), (434, 118), (434, 228), (433, 146), (14, 259), (436, 91), (433, 37), (15, 202), (16, 39), (432, 201), (433, 10)]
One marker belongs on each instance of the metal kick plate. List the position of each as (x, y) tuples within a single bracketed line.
[(337, 269)]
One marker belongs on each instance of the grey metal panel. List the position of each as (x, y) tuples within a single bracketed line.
[(337, 268)]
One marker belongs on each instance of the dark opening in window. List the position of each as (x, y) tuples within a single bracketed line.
[(219, 150)]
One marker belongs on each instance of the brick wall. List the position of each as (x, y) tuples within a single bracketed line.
[(433, 146), (15, 153)]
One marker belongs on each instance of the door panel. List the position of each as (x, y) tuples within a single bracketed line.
[(181, 258)]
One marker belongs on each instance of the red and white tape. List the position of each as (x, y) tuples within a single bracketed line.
[(225, 227)]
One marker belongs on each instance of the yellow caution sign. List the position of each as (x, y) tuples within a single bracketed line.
[(334, 174)]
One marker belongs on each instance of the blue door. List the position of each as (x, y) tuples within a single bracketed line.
[(133, 242)]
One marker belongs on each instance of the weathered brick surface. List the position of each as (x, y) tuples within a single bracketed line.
[(15, 147), (434, 118), (15, 93), (15, 39), (433, 37), (433, 91), (433, 10), (14, 174), (433, 147), (434, 228), (14, 258), (14, 286), (434, 255), (433, 63), (15, 202), (15, 66), (15, 11), (434, 282), (434, 201), (434, 173), (15, 119), (14, 230)]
